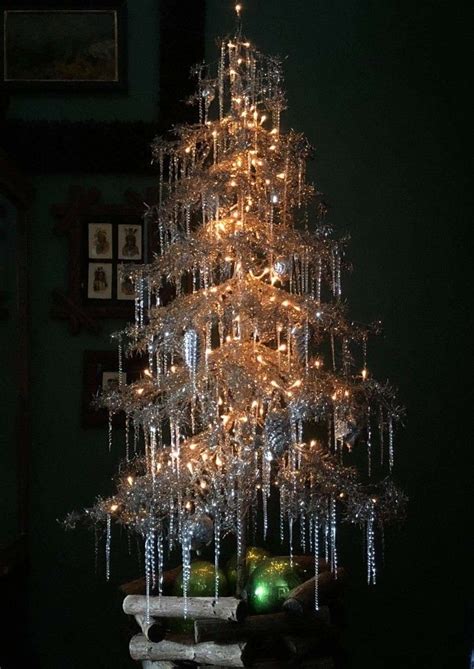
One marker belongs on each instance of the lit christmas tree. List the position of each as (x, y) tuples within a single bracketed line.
[(256, 381)]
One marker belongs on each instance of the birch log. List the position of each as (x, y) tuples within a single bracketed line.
[(301, 599), (149, 664), (224, 608), (224, 655), (153, 630)]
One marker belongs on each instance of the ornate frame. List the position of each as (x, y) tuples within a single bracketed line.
[(70, 305)]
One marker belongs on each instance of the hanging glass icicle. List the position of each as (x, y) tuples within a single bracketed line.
[(338, 274), (333, 545), (369, 443), (127, 437), (390, 443), (120, 361), (220, 76), (108, 541), (303, 532), (159, 548), (110, 425), (217, 550), (149, 559), (326, 540), (371, 568), (316, 561), (319, 280)]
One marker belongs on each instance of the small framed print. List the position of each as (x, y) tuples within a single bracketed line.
[(129, 242), (125, 287), (99, 281), (100, 240), (111, 380), (101, 374)]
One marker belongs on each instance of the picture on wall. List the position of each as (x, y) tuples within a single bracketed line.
[(63, 46), (125, 287), (122, 245), (100, 240), (111, 380), (101, 374), (129, 242), (99, 284)]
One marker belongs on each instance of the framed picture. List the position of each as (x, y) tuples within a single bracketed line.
[(125, 287), (99, 281), (100, 240), (129, 242), (103, 240), (100, 373), (64, 45)]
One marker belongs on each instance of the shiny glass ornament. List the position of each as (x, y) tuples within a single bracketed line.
[(272, 581), (254, 556), (201, 581)]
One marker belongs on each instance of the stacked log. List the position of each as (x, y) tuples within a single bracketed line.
[(225, 636)]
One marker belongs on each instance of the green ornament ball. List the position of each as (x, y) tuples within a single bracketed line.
[(272, 581), (201, 581), (254, 556)]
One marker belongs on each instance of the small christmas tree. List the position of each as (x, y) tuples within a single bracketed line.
[(255, 378)]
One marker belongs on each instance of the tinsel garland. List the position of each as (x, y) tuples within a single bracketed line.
[(254, 378)]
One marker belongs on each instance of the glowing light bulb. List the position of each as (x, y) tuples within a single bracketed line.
[(130, 480), (365, 373), (114, 507)]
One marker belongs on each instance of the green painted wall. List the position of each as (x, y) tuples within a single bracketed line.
[(8, 365)]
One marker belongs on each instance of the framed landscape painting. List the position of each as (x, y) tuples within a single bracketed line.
[(67, 46)]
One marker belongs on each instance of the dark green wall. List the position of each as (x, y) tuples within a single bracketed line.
[(377, 87)]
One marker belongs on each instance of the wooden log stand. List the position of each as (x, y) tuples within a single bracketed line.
[(224, 636)]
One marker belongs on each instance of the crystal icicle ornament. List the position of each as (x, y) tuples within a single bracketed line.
[(159, 548), (148, 572), (191, 351), (316, 561), (390, 443), (333, 545), (110, 425), (369, 443), (217, 550), (370, 540), (108, 541)]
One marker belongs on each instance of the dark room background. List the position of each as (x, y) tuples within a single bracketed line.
[(379, 88)]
